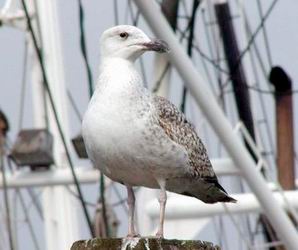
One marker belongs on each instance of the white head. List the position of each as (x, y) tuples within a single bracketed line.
[(128, 42)]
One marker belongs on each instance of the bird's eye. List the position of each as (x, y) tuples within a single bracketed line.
[(123, 34)]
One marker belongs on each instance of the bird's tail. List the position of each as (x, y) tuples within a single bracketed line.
[(226, 197), (207, 190)]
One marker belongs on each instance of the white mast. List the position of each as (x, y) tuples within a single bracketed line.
[(61, 222)]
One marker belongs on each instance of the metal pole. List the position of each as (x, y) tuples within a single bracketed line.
[(220, 124), (182, 207), (6, 201), (239, 82), (51, 178), (237, 74), (61, 220), (63, 177)]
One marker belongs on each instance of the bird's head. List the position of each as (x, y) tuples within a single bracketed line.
[(128, 42)]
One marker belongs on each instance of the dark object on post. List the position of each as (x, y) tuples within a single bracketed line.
[(4, 125), (284, 127), (142, 244), (79, 146), (33, 148)]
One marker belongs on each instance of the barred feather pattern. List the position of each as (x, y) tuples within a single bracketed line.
[(179, 130)]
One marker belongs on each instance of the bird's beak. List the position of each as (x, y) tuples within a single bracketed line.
[(157, 45)]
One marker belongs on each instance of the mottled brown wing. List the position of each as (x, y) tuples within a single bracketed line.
[(176, 126)]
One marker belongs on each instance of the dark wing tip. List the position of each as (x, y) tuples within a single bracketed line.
[(229, 199), (226, 198)]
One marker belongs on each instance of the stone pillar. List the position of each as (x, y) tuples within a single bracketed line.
[(142, 244)]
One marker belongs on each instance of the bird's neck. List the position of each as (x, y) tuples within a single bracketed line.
[(118, 78), (119, 75), (108, 62)]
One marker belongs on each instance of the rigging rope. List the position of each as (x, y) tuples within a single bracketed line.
[(191, 25), (90, 82), (27, 219), (84, 49), (265, 35), (23, 86), (252, 38), (73, 105)]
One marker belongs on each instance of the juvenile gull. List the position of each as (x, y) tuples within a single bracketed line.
[(139, 139)]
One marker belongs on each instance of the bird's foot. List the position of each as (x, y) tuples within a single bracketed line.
[(159, 235), (132, 236)]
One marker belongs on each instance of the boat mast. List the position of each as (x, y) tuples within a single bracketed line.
[(61, 220), (240, 86), (237, 74)]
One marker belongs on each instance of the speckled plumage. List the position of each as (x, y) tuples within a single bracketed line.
[(176, 126), (200, 180)]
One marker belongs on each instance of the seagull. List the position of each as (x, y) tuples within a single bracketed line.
[(137, 138)]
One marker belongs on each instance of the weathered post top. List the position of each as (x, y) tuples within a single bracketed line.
[(142, 244)]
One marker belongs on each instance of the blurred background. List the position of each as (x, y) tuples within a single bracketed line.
[(246, 53)]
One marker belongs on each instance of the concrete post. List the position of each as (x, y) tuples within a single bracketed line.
[(142, 244)]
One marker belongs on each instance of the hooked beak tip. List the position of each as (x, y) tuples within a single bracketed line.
[(157, 45)]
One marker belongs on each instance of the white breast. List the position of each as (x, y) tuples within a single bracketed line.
[(121, 136)]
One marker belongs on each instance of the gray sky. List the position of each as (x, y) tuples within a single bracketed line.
[(281, 27)]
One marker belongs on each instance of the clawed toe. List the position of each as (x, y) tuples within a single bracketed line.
[(132, 236), (159, 235)]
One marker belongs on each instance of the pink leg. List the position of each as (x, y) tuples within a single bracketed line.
[(162, 202), (131, 210)]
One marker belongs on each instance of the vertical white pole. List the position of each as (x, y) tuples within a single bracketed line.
[(61, 222)]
